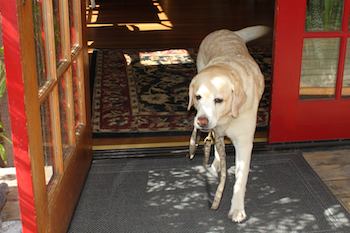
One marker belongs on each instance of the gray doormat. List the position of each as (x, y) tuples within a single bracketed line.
[(170, 195)]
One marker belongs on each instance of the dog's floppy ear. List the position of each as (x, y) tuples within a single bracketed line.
[(238, 97), (190, 96)]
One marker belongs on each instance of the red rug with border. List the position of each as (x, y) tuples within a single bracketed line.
[(145, 92)]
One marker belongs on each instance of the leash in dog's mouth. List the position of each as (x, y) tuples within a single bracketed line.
[(219, 143)]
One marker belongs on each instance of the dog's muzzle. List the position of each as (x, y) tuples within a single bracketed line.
[(202, 122)]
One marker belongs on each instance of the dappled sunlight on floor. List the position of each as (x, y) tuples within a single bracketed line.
[(172, 195), (163, 23)]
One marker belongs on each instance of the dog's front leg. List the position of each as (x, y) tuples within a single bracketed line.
[(220, 149), (243, 155)]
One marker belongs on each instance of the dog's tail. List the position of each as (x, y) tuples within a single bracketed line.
[(252, 33)]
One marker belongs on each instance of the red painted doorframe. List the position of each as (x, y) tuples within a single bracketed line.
[(15, 87), (293, 119)]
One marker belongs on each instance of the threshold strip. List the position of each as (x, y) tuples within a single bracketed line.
[(155, 145)]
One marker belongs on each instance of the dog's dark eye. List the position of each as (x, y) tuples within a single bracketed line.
[(198, 97), (218, 100)]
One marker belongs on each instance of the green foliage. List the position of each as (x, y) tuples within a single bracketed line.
[(324, 15), (3, 156), (2, 76), (3, 138)]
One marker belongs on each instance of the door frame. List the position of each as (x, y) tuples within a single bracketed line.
[(293, 119), (40, 208)]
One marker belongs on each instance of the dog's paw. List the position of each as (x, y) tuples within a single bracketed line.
[(237, 215)]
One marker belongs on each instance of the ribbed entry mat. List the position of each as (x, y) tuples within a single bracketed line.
[(170, 195)]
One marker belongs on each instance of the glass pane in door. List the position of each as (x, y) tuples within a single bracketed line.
[(77, 95), (72, 23), (39, 38), (319, 68), (48, 145), (64, 111), (346, 77), (324, 15), (57, 30)]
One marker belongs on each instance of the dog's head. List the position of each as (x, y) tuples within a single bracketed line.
[(216, 93)]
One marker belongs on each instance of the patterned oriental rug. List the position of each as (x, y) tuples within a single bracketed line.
[(145, 92)]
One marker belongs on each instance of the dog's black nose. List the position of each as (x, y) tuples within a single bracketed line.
[(202, 121)]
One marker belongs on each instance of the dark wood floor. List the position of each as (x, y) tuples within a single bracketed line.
[(170, 23)]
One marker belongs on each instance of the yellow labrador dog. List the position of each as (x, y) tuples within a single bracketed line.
[(226, 93)]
